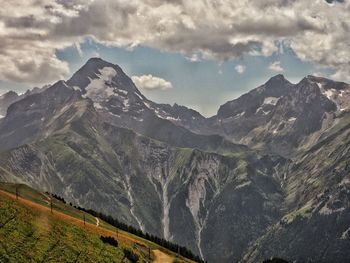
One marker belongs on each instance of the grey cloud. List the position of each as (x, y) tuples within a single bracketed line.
[(218, 29), (25, 21)]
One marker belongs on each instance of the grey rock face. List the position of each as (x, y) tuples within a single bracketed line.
[(35, 115), (10, 97), (6, 100), (317, 205), (281, 117)]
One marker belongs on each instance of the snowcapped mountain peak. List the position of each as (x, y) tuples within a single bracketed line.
[(115, 95), (337, 92), (106, 73), (106, 85), (328, 84)]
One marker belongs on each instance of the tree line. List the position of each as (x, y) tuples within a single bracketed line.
[(181, 250)]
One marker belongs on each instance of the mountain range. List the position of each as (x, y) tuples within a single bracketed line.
[(268, 174)]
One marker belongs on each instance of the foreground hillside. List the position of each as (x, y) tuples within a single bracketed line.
[(30, 232)]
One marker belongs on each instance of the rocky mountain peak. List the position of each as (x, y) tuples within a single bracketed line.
[(98, 73), (336, 92), (255, 101), (328, 83), (96, 63), (11, 97), (9, 94), (6, 100), (278, 77), (114, 94), (277, 81), (106, 85)]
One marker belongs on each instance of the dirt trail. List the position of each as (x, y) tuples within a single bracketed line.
[(161, 257)]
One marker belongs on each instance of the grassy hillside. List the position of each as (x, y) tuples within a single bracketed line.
[(29, 232)]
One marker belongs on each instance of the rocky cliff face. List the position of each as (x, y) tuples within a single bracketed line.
[(316, 204), (98, 142), (281, 117), (6, 100), (10, 97), (37, 115)]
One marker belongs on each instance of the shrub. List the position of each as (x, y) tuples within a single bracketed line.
[(109, 240), (130, 255)]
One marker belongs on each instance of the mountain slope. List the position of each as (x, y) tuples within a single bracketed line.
[(39, 114), (123, 175), (119, 102), (114, 170), (97, 141), (317, 204), (281, 117), (114, 94), (10, 97)]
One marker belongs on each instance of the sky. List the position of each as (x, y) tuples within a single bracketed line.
[(195, 53)]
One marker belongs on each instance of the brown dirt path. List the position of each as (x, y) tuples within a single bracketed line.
[(97, 222), (161, 257)]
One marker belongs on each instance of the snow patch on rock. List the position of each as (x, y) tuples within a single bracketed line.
[(271, 100), (328, 211), (122, 91), (138, 95), (98, 89), (97, 105), (260, 109), (345, 234), (172, 119), (330, 93)]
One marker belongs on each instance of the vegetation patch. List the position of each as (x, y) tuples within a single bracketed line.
[(130, 255), (109, 240)]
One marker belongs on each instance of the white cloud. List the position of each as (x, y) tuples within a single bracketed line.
[(276, 66), (32, 30), (150, 82), (240, 69)]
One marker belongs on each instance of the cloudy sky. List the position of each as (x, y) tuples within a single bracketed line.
[(198, 53)]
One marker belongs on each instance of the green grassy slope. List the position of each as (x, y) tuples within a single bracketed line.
[(27, 235), (28, 193), (30, 233)]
